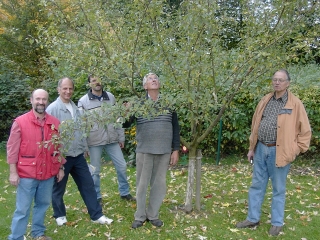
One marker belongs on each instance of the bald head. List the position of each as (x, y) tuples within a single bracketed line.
[(39, 100)]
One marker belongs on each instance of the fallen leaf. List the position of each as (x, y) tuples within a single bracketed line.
[(208, 196)]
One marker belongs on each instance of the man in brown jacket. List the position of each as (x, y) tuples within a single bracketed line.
[(280, 131)]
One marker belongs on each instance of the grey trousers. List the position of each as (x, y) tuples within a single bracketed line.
[(151, 170)]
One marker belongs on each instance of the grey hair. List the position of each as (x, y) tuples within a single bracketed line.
[(64, 78), (285, 72), (145, 78)]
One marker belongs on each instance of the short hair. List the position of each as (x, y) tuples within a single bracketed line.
[(64, 78), (285, 72), (91, 75), (145, 78)]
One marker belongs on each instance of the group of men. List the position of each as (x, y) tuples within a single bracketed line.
[(40, 166), (280, 131)]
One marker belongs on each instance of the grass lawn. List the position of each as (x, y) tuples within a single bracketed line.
[(223, 203)]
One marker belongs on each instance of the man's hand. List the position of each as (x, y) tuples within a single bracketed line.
[(121, 144), (14, 179), (60, 175), (174, 157), (250, 155), (86, 154)]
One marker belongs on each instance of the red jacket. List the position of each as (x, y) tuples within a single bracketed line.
[(38, 158)]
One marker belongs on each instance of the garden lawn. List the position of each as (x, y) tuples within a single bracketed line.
[(223, 204)]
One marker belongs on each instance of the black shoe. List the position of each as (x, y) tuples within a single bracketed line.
[(156, 222), (275, 230), (137, 224), (128, 197), (247, 224)]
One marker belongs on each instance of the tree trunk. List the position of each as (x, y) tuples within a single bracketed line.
[(198, 179), (188, 203)]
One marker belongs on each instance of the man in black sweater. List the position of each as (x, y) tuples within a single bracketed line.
[(158, 143)]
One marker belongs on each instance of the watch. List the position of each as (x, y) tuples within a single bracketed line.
[(62, 167)]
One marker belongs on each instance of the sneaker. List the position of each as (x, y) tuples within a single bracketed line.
[(156, 222), (275, 230), (61, 220), (128, 198), (137, 224), (247, 224), (43, 237), (103, 220)]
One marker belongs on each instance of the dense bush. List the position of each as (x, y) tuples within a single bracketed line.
[(14, 99)]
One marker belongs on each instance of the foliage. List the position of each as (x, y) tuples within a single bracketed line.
[(131, 143), (15, 96), (223, 203), (181, 45), (19, 40)]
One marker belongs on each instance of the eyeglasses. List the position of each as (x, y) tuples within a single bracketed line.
[(280, 80), (152, 78)]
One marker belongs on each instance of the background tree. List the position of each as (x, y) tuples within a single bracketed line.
[(20, 20), (201, 73)]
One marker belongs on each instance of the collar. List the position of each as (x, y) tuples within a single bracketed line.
[(92, 96), (283, 98), (39, 119), (148, 97)]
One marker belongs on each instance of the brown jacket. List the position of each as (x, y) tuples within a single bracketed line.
[(293, 133)]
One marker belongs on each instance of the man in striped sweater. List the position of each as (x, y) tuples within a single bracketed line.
[(158, 143)]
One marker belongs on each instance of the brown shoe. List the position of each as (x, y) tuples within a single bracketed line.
[(275, 230), (247, 224)]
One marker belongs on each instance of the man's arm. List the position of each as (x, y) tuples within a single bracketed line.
[(14, 178), (304, 135), (176, 132), (13, 147), (175, 140)]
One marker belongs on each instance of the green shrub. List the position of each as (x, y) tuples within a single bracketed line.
[(15, 97)]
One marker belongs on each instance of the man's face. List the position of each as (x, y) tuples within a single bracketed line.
[(152, 83), (39, 101), (280, 82), (66, 90), (95, 84)]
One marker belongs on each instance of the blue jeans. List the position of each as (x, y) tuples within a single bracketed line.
[(115, 153), (151, 171), (265, 168), (78, 168), (29, 190)]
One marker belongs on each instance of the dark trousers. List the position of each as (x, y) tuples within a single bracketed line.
[(79, 170)]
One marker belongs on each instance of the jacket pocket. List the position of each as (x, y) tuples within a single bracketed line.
[(27, 166)]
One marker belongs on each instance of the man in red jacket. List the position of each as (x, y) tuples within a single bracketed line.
[(34, 159)]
